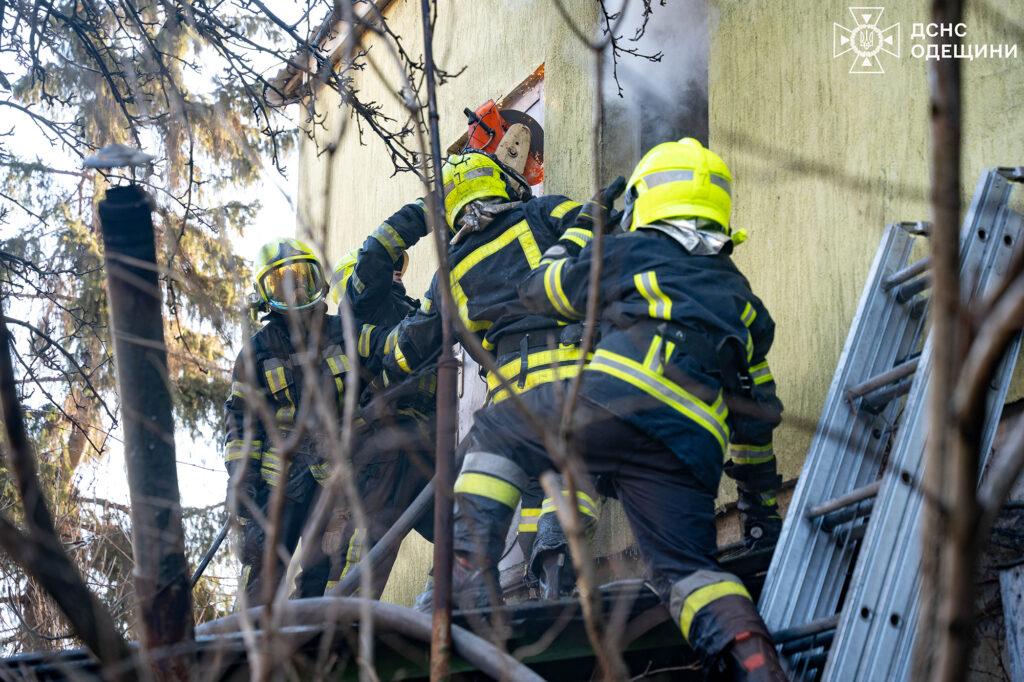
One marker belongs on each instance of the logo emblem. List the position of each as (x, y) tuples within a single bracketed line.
[(865, 40)]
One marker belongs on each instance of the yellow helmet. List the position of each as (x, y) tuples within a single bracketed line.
[(289, 275), (468, 177), (680, 180), (343, 271)]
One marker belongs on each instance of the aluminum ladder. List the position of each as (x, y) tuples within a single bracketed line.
[(841, 591)]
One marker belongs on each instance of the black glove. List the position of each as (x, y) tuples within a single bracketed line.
[(602, 205)]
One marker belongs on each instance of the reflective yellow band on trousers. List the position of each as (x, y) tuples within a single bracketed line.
[(473, 483), (528, 519), (585, 503), (751, 454), (703, 596), (711, 417)]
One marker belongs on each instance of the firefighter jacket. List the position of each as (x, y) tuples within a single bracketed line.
[(530, 348), (270, 369), (378, 305), (372, 301), (677, 333)]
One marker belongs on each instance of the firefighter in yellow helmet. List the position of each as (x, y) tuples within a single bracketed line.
[(392, 452), (270, 382), (498, 233), (678, 380)]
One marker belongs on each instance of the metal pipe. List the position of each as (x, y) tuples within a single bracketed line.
[(161, 576), (208, 557), (812, 628), (831, 521), (907, 273), (387, 618), (849, 535), (852, 497), (823, 639), (878, 400), (913, 288), (879, 380)]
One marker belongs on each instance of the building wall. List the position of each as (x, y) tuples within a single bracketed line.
[(499, 43), (823, 159)]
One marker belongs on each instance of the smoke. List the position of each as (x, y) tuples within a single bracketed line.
[(663, 100)]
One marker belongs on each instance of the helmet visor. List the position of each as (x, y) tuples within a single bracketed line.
[(293, 285)]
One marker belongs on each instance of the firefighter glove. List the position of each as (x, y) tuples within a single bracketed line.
[(602, 204)]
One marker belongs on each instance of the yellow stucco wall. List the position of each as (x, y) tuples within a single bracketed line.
[(823, 159), (499, 43)]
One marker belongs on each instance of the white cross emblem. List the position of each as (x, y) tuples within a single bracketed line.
[(866, 40)]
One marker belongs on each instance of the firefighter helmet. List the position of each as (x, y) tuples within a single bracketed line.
[(345, 268), (343, 271), (468, 177), (289, 275), (679, 180)]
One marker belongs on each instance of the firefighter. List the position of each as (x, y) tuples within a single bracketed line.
[(393, 452), (678, 378), (498, 234), (270, 383)]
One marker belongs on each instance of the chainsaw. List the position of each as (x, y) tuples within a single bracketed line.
[(512, 137)]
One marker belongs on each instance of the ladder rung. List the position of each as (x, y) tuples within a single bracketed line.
[(852, 497), (855, 511), (878, 381), (877, 401), (848, 535), (813, 628), (913, 288), (907, 273), (1012, 173), (812, 662), (821, 639)]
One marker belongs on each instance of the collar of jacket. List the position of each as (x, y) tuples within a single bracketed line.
[(696, 235), (282, 321)]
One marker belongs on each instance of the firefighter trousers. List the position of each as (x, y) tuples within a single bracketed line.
[(392, 463), (300, 498), (669, 510)]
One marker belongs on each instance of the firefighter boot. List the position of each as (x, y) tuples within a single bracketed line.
[(556, 576), (424, 602), (472, 588), (752, 658)]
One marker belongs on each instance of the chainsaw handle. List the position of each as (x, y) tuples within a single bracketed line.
[(473, 118)]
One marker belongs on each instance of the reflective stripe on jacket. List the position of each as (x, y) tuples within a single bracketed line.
[(666, 315), (485, 267)]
